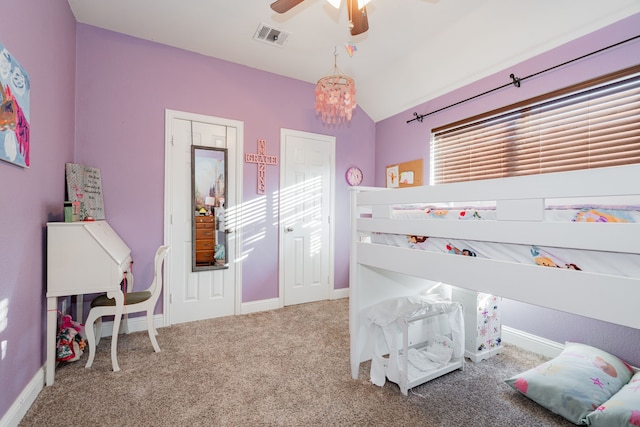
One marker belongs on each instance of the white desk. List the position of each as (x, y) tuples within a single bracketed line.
[(83, 258)]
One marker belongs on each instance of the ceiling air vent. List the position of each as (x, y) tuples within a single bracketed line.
[(271, 35)]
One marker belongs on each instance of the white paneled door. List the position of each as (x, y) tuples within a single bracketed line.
[(207, 294), (306, 208)]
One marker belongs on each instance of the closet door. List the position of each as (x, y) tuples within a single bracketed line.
[(306, 202), (201, 294)]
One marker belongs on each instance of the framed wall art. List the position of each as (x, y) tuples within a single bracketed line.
[(393, 178), (15, 111), (84, 186)]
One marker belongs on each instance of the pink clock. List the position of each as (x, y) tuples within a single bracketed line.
[(354, 176)]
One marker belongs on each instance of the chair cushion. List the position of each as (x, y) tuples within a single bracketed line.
[(130, 298)]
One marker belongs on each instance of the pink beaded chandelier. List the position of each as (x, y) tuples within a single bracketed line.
[(335, 96)]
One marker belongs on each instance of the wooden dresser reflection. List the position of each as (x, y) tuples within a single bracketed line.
[(205, 239)]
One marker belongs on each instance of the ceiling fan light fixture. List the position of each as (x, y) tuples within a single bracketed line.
[(336, 3), (358, 21)]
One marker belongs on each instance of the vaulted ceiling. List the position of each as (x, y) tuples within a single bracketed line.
[(414, 51)]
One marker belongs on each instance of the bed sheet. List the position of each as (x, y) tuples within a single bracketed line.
[(620, 264)]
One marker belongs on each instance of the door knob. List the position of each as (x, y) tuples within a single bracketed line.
[(289, 229), (228, 230)]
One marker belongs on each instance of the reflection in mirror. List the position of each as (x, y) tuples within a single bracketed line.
[(209, 186)]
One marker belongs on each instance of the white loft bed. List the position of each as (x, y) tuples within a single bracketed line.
[(379, 272)]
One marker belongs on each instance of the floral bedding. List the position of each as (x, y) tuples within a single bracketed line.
[(592, 261)]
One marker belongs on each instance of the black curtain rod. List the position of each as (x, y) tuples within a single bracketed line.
[(517, 81)]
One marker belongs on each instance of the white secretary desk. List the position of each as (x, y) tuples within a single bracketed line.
[(82, 258)]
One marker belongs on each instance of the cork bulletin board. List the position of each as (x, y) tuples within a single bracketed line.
[(84, 185), (407, 174)]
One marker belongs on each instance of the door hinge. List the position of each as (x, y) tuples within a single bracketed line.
[(170, 298), (172, 140)]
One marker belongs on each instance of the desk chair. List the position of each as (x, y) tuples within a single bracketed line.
[(133, 302)]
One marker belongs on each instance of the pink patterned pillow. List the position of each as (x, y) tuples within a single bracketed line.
[(622, 409), (575, 383)]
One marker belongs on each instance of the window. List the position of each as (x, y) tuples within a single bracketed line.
[(589, 125)]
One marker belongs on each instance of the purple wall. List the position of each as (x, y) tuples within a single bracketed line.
[(125, 84), (397, 141), (41, 36)]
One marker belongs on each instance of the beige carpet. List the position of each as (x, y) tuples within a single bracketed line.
[(286, 367)]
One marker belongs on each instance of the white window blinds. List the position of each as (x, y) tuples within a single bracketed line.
[(590, 125)]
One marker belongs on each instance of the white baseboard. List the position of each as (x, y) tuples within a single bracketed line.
[(258, 306), (24, 401), (275, 303), (340, 293), (531, 342), (535, 343)]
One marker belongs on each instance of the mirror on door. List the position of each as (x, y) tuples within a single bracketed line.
[(208, 188)]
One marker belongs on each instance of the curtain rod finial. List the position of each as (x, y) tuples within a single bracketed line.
[(416, 116), (516, 80)]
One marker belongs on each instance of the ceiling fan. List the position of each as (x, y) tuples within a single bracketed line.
[(358, 22)]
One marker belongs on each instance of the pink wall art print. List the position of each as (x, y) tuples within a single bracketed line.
[(14, 110)]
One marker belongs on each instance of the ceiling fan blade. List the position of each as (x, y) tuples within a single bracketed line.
[(282, 6), (358, 18)]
